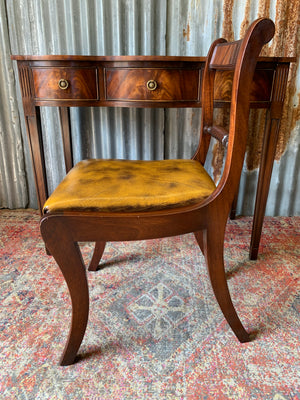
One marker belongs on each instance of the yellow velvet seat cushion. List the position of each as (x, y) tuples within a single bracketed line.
[(124, 185)]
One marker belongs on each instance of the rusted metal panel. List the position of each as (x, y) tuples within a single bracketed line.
[(161, 27), (190, 32)]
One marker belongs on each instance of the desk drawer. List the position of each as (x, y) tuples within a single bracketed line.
[(144, 84), (63, 83)]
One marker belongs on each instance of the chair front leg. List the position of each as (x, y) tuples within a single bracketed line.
[(69, 259), (213, 251), (98, 251)]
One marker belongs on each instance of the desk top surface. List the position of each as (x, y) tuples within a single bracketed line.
[(132, 58)]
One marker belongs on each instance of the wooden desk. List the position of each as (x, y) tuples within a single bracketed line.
[(141, 81)]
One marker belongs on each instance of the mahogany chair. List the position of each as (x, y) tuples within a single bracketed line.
[(120, 200)]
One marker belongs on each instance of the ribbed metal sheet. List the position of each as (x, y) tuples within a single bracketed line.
[(147, 27), (13, 190)]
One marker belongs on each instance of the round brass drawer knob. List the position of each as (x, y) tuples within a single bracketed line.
[(151, 85), (63, 84)]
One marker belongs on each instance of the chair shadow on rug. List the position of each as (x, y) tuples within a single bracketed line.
[(120, 200)]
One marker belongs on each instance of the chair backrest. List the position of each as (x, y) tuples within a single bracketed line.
[(240, 57)]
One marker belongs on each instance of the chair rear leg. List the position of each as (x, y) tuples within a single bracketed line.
[(98, 251), (69, 259), (199, 238), (213, 250)]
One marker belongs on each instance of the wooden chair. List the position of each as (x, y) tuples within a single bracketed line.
[(120, 200)]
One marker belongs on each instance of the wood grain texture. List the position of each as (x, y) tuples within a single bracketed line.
[(172, 84), (83, 83), (225, 55), (261, 86), (122, 83)]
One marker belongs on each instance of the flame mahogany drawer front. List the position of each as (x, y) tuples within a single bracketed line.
[(65, 83), (148, 84)]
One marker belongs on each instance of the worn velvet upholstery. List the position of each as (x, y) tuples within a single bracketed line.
[(123, 185)]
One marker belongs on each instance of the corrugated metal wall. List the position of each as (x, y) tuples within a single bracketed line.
[(13, 188), (132, 27)]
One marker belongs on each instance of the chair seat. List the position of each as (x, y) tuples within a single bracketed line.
[(125, 185)]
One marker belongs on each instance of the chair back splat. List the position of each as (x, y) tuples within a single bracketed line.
[(119, 200)]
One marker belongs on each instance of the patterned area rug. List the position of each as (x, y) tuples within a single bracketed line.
[(155, 330)]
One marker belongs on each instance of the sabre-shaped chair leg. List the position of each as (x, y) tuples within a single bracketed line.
[(98, 251), (68, 257), (213, 242)]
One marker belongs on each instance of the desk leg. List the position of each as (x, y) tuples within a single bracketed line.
[(66, 136), (268, 155), (34, 134), (37, 155)]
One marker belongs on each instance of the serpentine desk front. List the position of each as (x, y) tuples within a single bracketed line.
[(141, 81)]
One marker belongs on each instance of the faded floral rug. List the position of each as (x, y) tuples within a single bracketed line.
[(155, 330)]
